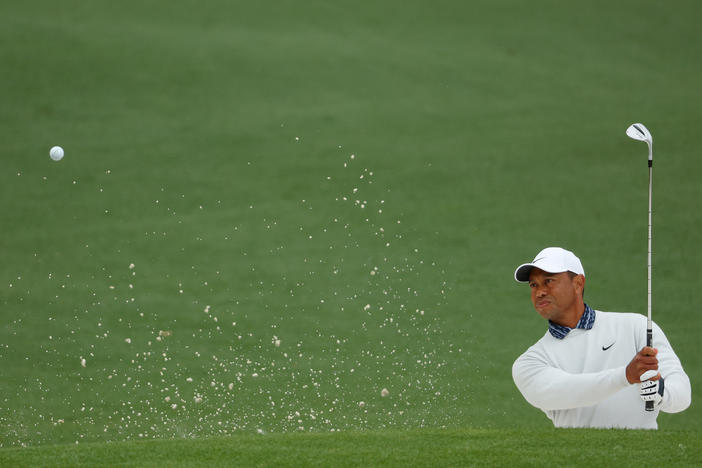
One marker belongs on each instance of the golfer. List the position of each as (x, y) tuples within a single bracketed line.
[(593, 368)]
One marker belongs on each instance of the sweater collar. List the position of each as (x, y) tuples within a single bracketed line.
[(587, 320)]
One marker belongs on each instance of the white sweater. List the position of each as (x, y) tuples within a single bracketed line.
[(580, 381)]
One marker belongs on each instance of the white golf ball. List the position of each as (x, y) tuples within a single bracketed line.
[(56, 153), (384, 392)]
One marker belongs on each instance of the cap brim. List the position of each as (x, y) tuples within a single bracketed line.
[(521, 274)]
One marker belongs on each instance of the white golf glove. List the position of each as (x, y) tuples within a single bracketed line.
[(652, 390)]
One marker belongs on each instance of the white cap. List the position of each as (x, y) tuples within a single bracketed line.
[(550, 260)]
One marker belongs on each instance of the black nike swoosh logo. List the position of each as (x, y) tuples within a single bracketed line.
[(605, 348)]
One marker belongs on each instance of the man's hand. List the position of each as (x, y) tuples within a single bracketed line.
[(645, 360), (652, 390)]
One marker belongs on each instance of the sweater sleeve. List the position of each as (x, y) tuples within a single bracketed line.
[(677, 393), (550, 388)]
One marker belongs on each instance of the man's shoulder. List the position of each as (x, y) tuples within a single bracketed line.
[(543, 343), (618, 316)]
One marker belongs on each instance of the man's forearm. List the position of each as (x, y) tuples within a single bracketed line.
[(677, 393), (549, 388)]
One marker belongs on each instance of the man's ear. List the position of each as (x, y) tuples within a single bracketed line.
[(579, 282)]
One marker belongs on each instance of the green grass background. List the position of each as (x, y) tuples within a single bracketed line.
[(256, 161)]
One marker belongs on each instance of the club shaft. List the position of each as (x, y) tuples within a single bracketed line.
[(649, 330), (650, 196)]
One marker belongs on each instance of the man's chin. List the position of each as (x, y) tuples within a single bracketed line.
[(546, 313)]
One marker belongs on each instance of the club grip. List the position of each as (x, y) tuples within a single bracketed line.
[(649, 342)]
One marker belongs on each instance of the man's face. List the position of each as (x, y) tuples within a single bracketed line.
[(556, 295)]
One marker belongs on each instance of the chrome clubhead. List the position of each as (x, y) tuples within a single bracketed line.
[(639, 132)]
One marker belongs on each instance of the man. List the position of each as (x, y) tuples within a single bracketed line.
[(593, 368)]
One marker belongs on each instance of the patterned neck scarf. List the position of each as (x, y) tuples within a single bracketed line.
[(586, 322)]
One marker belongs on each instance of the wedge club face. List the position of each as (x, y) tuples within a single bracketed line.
[(639, 132)]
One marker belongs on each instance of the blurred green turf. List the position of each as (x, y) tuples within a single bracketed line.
[(210, 146), (411, 447)]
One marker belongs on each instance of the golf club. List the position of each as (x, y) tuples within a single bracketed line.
[(639, 132)]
